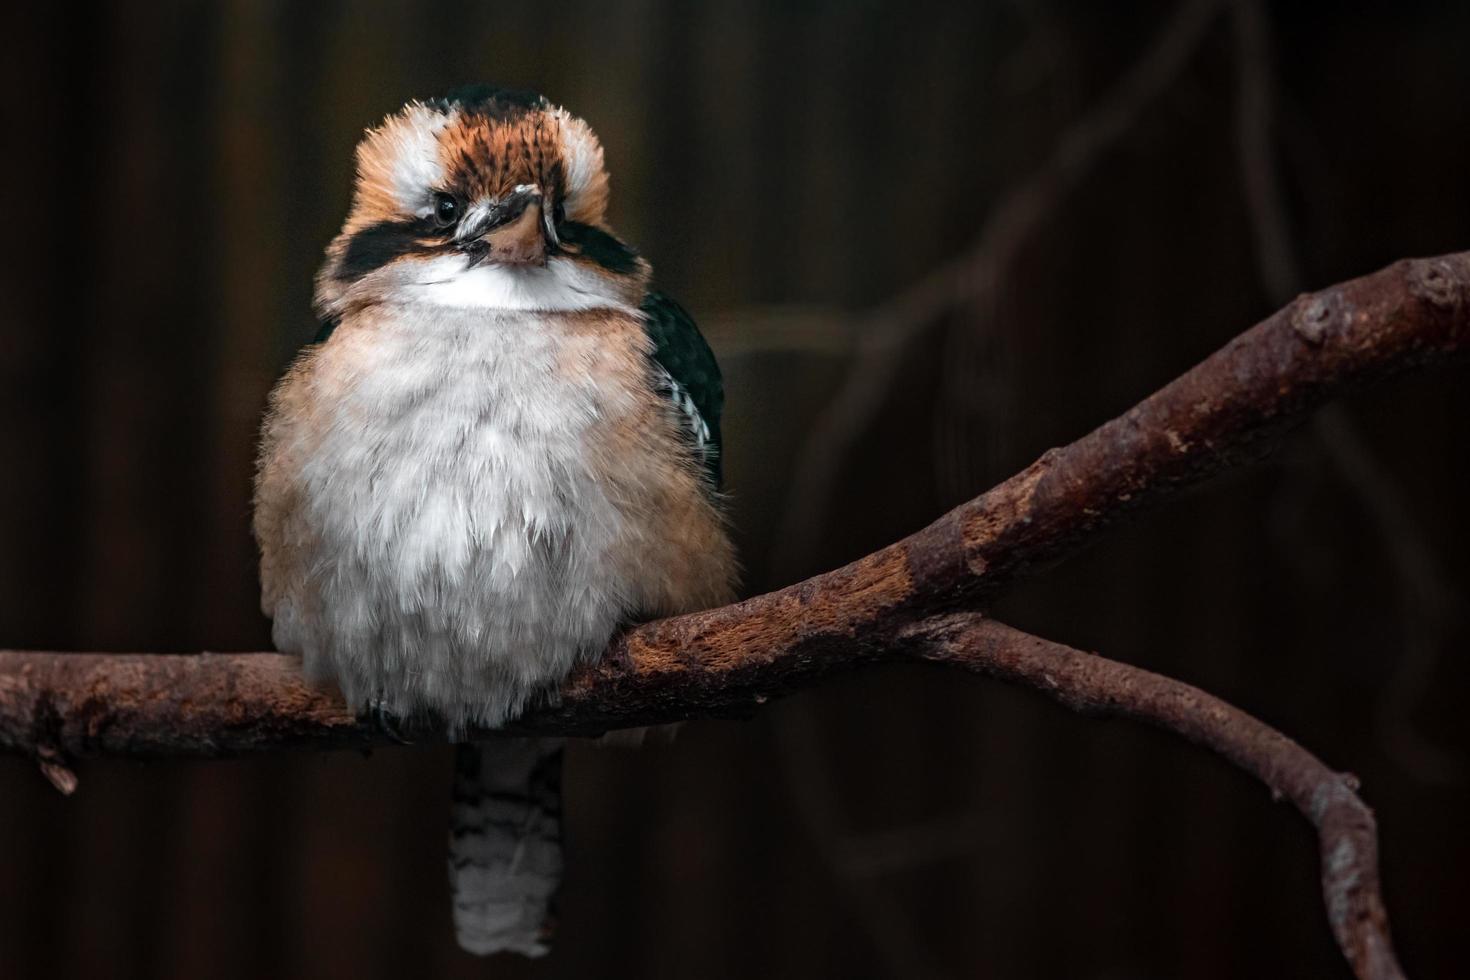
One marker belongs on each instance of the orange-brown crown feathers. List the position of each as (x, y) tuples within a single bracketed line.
[(480, 143), (487, 198)]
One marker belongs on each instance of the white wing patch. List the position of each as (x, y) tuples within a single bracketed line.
[(694, 423)]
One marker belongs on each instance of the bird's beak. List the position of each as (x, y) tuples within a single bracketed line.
[(514, 232)]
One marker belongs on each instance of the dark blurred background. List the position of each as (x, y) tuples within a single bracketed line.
[(1129, 186)]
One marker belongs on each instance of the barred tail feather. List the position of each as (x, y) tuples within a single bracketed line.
[(505, 858)]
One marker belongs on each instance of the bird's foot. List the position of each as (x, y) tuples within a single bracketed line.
[(384, 720)]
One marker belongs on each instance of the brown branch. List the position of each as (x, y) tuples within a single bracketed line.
[(1346, 831), (1429, 605), (726, 661), (890, 605), (271, 707)]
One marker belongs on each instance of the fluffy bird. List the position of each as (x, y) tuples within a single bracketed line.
[(502, 447)]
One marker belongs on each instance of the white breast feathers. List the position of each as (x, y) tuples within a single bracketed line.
[(439, 535)]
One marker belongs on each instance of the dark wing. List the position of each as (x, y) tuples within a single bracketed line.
[(688, 375), (328, 325)]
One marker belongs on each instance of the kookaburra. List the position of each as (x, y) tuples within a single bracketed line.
[(502, 447)]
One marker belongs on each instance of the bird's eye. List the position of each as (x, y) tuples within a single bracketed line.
[(446, 209)]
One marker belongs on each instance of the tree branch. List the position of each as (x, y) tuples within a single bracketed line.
[(894, 604), (1429, 605), (1346, 831), (727, 661)]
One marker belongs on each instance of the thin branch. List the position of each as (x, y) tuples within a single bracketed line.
[(1347, 833), (727, 661), (1429, 605), (891, 605), (1255, 115), (887, 331), (809, 783)]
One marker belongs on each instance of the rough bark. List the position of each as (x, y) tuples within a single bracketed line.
[(893, 604), (1226, 410), (1347, 834)]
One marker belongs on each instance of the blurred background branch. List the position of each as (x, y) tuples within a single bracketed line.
[(889, 606), (1227, 410), (791, 171), (1428, 606), (969, 278)]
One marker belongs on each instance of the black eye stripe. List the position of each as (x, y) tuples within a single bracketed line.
[(377, 245)]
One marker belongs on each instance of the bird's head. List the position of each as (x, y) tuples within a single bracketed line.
[(486, 198)]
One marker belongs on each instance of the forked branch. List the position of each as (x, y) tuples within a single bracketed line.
[(1347, 834), (896, 603)]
